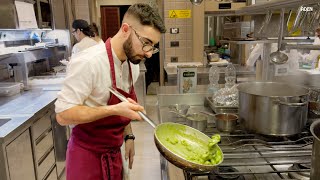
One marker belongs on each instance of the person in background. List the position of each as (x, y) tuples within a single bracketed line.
[(96, 37), (83, 34), (102, 121)]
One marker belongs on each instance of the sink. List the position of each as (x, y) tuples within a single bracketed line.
[(4, 120)]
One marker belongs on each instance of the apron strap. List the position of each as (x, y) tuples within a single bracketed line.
[(107, 161), (113, 76), (109, 52)]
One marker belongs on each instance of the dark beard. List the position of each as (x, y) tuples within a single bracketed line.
[(128, 50)]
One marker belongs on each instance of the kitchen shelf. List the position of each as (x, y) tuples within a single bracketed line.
[(274, 5), (303, 46), (268, 41), (263, 8)]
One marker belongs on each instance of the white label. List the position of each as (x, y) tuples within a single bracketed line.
[(307, 9), (281, 70)]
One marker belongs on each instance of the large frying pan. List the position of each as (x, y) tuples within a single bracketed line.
[(192, 136)]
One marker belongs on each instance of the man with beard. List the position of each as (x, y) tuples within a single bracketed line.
[(102, 121)]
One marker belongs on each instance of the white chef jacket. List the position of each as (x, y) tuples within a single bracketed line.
[(89, 77), (85, 43)]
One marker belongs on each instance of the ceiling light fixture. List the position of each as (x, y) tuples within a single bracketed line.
[(196, 2)]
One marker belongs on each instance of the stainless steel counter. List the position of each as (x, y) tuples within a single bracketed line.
[(20, 108)]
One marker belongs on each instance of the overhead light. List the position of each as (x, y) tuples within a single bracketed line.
[(196, 2)]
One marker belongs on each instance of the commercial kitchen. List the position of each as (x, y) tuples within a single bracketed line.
[(247, 70)]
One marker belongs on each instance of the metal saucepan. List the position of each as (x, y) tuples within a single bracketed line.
[(225, 122), (194, 120), (192, 136), (197, 121)]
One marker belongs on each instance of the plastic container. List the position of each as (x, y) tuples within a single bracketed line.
[(9, 88), (214, 75), (230, 76)]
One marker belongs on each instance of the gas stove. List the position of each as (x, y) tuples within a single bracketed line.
[(246, 156), (252, 156)]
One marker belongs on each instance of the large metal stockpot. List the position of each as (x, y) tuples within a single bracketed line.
[(315, 158), (272, 108)]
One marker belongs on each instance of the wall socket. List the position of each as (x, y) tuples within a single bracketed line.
[(174, 30), (174, 43), (174, 59)]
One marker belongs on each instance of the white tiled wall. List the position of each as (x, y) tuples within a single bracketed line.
[(184, 51)]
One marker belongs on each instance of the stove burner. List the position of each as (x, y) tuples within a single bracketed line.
[(299, 175), (226, 169)]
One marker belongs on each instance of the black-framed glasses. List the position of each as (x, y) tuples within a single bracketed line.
[(74, 31), (146, 46)]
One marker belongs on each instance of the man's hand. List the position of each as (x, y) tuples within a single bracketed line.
[(128, 109), (129, 148)]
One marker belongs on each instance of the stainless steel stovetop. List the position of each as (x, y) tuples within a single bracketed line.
[(252, 156)]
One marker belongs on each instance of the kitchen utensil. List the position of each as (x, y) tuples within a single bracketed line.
[(181, 117), (168, 130), (315, 157), (279, 57), (124, 99), (298, 20), (265, 22), (197, 121), (195, 138), (179, 108), (272, 108), (225, 122), (213, 57)]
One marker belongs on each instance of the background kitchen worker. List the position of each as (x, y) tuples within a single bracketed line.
[(101, 120), (95, 31), (83, 33)]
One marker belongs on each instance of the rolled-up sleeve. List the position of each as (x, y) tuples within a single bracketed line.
[(77, 85)]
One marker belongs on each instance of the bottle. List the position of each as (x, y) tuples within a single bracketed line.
[(214, 75), (230, 76)]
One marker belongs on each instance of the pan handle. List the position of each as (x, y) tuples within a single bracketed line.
[(146, 118), (293, 104), (278, 100), (124, 99)]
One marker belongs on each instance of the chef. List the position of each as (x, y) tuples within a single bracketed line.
[(83, 33), (102, 121), (96, 37)]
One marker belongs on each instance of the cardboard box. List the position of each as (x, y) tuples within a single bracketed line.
[(187, 79)]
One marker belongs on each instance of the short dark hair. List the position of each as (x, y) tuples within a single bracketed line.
[(83, 26), (147, 16)]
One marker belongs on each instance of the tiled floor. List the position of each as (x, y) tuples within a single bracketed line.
[(146, 163)]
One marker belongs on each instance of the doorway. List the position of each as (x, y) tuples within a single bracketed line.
[(111, 18)]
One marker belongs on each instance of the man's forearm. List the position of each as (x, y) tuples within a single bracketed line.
[(127, 130), (83, 114)]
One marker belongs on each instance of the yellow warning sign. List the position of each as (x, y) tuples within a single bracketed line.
[(180, 13)]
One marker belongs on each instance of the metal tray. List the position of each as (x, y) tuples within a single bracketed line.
[(220, 109)]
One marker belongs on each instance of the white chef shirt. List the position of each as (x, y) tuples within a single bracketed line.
[(89, 78), (85, 43)]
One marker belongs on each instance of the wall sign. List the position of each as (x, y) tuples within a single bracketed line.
[(180, 13)]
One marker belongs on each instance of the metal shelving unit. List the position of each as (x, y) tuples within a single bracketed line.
[(273, 5)]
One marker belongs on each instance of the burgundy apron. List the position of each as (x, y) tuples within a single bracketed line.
[(94, 148)]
